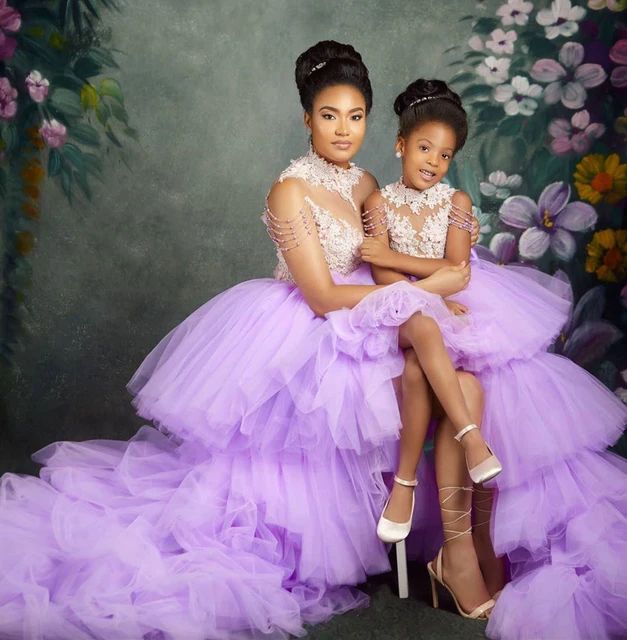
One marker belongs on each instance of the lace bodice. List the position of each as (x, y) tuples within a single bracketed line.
[(418, 221), (340, 240)]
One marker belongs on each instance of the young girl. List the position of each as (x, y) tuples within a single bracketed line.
[(561, 502), (259, 511)]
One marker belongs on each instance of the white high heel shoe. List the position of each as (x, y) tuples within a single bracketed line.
[(393, 532), (486, 470)]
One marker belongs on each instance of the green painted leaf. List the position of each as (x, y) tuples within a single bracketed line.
[(510, 126), (74, 155), (484, 26), (455, 46), (91, 8), (10, 137), (483, 160), (132, 133), (87, 68), (36, 49), (109, 133), (542, 48), (66, 182), (476, 92), (103, 57), (466, 18), (68, 81), (67, 102), (491, 114), (463, 76), (103, 112), (475, 55), (111, 87), (520, 150), (119, 113), (93, 163), (455, 63), (86, 134), (81, 181), (55, 162)]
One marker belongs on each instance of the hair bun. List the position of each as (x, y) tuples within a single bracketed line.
[(321, 54), (422, 88)]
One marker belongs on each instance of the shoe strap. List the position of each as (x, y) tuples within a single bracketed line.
[(464, 431), (457, 534), (406, 483)]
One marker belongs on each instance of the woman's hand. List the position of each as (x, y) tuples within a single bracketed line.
[(474, 234), (377, 253), (446, 281), (456, 308)]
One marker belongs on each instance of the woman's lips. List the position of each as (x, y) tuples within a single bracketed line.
[(343, 145)]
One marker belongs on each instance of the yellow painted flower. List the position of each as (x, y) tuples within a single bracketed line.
[(599, 178), (57, 41), (607, 255)]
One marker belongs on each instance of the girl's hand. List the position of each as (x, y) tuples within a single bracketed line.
[(456, 308), (376, 252), (447, 281)]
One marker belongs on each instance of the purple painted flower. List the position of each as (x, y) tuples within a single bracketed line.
[(623, 296), (586, 338), (561, 19), (54, 133), (570, 79), (11, 21), (549, 222), (618, 54), (37, 86), (502, 41), (8, 105), (574, 136)]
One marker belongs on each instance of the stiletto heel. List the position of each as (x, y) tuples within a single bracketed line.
[(435, 573), (486, 470), (401, 570), (393, 532)]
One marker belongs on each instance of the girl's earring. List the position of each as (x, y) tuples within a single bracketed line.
[(398, 154)]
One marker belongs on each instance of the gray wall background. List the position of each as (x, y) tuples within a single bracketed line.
[(209, 85)]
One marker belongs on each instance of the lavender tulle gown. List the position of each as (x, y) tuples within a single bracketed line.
[(560, 512), (253, 508)]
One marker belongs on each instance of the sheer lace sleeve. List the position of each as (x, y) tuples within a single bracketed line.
[(287, 234), (458, 217), (375, 221)]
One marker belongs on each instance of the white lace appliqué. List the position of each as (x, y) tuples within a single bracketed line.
[(318, 172), (340, 243), (424, 237)]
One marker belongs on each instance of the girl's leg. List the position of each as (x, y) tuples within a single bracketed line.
[(423, 334), (492, 567), (416, 406), (460, 566)]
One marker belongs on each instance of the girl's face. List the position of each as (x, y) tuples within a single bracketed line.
[(338, 123), (427, 153)]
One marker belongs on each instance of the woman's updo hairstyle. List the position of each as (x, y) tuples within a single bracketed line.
[(431, 101), (327, 64)]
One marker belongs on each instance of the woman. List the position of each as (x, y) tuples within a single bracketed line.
[(561, 506), (260, 509)]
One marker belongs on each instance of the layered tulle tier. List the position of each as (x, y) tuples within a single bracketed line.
[(122, 541), (254, 368)]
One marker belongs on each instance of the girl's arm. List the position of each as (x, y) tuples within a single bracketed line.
[(388, 264)]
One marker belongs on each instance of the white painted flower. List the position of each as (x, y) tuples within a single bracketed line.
[(520, 96), (494, 70), (499, 185), (515, 12), (621, 392), (561, 19), (476, 43), (502, 41), (484, 220)]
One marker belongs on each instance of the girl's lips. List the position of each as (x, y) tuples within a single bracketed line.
[(427, 174)]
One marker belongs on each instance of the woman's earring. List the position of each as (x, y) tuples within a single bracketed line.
[(398, 154)]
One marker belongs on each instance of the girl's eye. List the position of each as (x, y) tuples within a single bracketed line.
[(446, 156), (423, 148)]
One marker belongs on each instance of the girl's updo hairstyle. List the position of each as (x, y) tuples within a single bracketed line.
[(431, 101), (327, 64)]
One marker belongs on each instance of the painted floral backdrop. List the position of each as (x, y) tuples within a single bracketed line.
[(546, 90), (61, 114)]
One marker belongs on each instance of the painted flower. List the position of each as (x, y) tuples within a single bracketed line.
[(586, 337), (499, 184), (618, 54), (515, 12), (574, 136), (11, 21), (599, 178), (37, 86), (8, 104), (607, 255), (476, 43), (484, 220), (612, 5), (494, 70), (502, 42), (549, 222), (519, 96), (54, 133), (561, 19), (570, 79), (623, 296)]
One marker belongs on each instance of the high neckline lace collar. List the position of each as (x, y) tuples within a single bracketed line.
[(399, 195)]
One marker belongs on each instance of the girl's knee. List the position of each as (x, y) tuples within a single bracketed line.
[(422, 326), (471, 389), (412, 373)]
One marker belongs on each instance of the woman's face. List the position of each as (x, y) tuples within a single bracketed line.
[(427, 154), (338, 123)]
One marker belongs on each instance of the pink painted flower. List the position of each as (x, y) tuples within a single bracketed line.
[(476, 43), (570, 79), (561, 19), (8, 104), (618, 54), (515, 12), (54, 133), (11, 21), (502, 41), (37, 86), (574, 136), (494, 70)]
